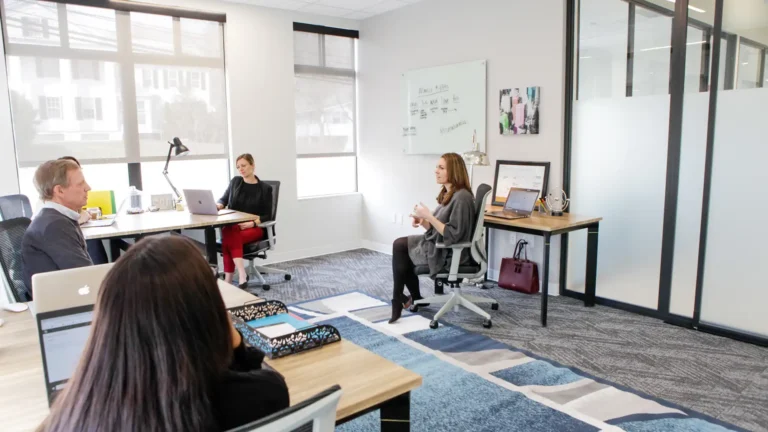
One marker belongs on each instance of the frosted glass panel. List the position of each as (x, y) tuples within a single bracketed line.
[(734, 293), (689, 199), (619, 165)]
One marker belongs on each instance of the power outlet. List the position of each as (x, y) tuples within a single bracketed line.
[(401, 218), (394, 218)]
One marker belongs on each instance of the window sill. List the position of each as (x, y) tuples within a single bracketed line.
[(309, 198)]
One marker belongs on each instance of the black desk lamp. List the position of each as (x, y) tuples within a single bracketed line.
[(181, 150)]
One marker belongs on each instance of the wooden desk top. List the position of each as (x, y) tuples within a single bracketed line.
[(161, 221), (536, 222), (366, 378)]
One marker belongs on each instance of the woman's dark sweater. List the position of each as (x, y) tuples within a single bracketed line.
[(246, 392), (249, 198)]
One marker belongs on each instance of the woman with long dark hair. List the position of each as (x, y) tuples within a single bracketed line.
[(450, 223), (163, 354)]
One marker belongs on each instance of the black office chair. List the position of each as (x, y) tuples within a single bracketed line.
[(473, 270), (252, 251), (15, 206), (11, 233)]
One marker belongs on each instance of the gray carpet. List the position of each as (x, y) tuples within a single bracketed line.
[(716, 376)]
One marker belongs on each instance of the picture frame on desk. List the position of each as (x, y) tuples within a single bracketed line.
[(519, 174)]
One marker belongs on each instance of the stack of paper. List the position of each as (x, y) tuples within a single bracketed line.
[(278, 325)]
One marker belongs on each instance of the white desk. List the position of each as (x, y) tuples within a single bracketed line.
[(132, 226)]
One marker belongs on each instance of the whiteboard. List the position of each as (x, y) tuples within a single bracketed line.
[(442, 107)]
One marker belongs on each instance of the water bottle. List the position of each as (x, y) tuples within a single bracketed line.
[(135, 195)]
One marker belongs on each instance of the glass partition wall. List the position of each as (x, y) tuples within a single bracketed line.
[(664, 142)]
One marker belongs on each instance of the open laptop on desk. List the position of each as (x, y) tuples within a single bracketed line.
[(519, 205), (107, 221), (201, 202), (63, 304)]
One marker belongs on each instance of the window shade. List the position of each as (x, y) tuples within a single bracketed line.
[(111, 86)]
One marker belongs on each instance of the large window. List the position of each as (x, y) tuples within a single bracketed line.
[(326, 118), (113, 87)]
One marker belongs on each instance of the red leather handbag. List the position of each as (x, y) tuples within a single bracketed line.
[(519, 274)]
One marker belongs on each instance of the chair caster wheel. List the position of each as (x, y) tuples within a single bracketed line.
[(287, 277), (494, 306), (265, 287), (433, 324), (487, 324)]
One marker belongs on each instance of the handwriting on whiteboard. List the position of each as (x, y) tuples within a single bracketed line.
[(429, 91), (453, 127), (409, 131)]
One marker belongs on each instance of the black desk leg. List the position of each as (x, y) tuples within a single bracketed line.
[(487, 246), (592, 232), (396, 414), (114, 249), (545, 283), (210, 246)]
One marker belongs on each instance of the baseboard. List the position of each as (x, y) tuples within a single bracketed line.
[(297, 254), (732, 334), (628, 307), (377, 247), (554, 287)]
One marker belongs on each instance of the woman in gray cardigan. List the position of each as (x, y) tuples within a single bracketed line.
[(450, 223)]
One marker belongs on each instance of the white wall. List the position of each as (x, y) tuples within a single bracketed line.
[(259, 61), (523, 42)]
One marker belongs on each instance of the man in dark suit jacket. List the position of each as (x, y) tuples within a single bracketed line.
[(54, 240)]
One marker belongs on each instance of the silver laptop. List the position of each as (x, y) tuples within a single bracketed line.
[(201, 202), (63, 305), (520, 203), (108, 221)]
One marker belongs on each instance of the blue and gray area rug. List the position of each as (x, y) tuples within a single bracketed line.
[(475, 383)]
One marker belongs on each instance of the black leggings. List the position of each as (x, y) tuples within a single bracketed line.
[(403, 271)]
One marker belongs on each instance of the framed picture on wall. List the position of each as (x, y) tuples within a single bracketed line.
[(518, 174)]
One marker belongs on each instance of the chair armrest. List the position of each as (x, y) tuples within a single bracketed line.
[(455, 259), (453, 246), (270, 232)]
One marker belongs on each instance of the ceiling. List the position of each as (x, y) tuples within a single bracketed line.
[(351, 9)]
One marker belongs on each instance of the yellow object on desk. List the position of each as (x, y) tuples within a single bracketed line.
[(105, 200)]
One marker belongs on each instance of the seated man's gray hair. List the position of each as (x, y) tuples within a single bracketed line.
[(51, 174)]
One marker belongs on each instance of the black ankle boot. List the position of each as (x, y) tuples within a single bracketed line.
[(397, 311)]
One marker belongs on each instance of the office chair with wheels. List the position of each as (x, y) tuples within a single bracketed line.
[(458, 272), (15, 206), (252, 251), (317, 414), (11, 233)]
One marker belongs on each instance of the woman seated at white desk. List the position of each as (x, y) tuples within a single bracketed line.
[(247, 194), (450, 223), (163, 354)]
